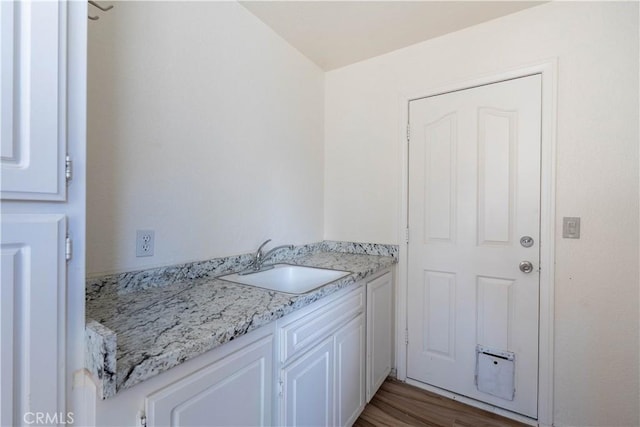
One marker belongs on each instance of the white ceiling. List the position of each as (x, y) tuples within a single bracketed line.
[(337, 33)]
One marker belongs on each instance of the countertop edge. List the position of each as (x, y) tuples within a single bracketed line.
[(100, 356)]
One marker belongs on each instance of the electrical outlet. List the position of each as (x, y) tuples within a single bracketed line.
[(145, 240)]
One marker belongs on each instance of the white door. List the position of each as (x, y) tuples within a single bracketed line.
[(474, 192)]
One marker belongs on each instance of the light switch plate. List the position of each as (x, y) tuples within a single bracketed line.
[(571, 227)]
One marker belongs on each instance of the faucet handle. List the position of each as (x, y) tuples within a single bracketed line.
[(259, 251)]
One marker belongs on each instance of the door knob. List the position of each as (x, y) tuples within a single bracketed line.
[(526, 266)]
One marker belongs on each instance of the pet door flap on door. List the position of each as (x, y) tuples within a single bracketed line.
[(495, 372)]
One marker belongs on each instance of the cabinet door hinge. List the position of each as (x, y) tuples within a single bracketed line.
[(68, 248), (406, 235), (406, 337), (68, 168), (280, 387), (408, 132)]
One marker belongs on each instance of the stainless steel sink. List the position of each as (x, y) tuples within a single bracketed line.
[(291, 279)]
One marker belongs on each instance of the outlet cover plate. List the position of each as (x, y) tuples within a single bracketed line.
[(145, 241)]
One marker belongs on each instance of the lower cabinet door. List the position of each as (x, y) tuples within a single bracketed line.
[(379, 331), (350, 372), (308, 396), (234, 391)]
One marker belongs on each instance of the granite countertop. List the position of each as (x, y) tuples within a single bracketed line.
[(133, 336)]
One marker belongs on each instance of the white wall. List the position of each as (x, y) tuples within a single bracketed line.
[(203, 125), (596, 312)]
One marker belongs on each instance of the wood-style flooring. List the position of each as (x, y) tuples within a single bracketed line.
[(398, 404)]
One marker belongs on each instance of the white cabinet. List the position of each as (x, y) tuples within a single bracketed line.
[(42, 114), (230, 385), (306, 369), (33, 42), (234, 391), (379, 331), (307, 395), (31, 325), (323, 360), (307, 327), (349, 345)]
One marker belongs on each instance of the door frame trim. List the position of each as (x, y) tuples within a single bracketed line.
[(548, 69)]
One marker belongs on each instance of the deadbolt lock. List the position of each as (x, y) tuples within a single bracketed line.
[(526, 241)]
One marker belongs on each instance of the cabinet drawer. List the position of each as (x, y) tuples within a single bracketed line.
[(310, 329)]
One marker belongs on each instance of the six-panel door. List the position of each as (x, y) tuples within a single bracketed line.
[(474, 192)]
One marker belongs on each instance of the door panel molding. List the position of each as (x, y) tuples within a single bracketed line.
[(31, 320), (548, 69), (33, 127), (492, 180), (492, 289), (438, 292), (440, 164)]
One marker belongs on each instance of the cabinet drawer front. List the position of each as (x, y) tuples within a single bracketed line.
[(310, 329)]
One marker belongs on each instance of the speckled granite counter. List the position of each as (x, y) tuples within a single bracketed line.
[(133, 335)]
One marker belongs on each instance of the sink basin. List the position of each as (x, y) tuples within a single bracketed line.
[(290, 279)]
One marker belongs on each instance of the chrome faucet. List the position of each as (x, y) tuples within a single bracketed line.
[(259, 258)]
